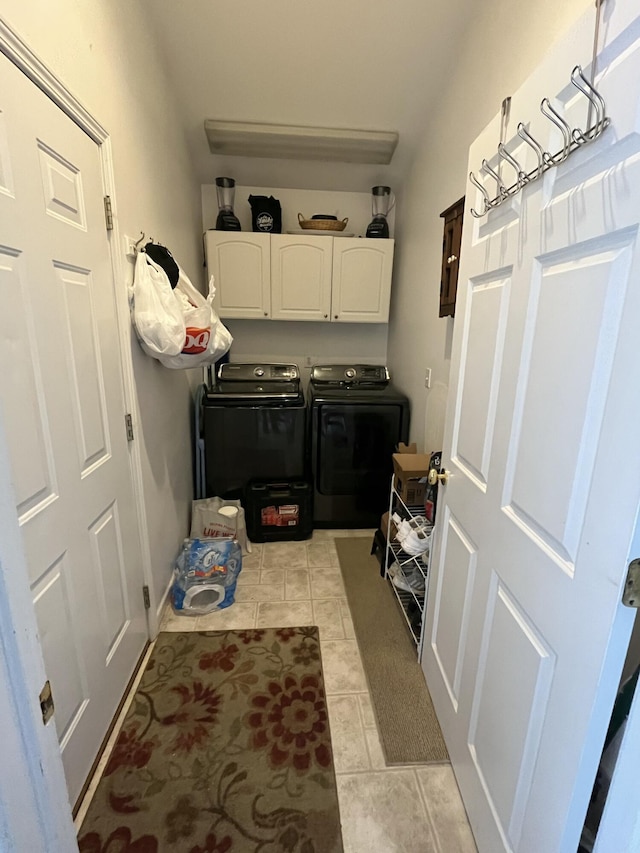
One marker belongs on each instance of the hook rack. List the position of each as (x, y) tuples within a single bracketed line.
[(572, 139)]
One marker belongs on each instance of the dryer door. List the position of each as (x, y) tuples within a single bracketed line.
[(354, 447)]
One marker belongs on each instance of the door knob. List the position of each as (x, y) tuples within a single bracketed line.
[(435, 477)]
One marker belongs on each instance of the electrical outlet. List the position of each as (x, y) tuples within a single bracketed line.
[(427, 378)]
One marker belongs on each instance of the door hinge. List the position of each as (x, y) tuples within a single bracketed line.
[(631, 593), (128, 422), (108, 212), (146, 597), (46, 703)]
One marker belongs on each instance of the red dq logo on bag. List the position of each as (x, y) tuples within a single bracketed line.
[(197, 340)]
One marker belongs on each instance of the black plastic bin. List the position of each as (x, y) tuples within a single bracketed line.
[(278, 511)]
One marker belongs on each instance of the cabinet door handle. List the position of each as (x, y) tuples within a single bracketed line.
[(335, 316), (325, 316), (266, 313)]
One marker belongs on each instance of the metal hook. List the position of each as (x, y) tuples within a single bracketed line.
[(532, 142), (502, 190), (554, 116), (595, 100), (521, 175), (486, 200), (136, 245)]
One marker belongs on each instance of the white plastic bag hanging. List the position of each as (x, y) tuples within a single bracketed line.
[(206, 338), (157, 313), (178, 327)]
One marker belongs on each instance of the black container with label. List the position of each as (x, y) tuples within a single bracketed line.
[(277, 512), (266, 214)]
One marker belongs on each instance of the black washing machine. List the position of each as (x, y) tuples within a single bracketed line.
[(254, 425), (356, 419)]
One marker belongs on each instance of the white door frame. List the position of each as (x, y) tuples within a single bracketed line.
[(16, 49)]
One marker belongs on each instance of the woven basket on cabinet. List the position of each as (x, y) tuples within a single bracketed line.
[(323, 224)]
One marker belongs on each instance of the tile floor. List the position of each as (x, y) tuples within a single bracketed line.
[(413, 809)]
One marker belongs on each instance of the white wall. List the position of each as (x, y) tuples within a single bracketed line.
[(502, 46), (103, 52), (305, 343)]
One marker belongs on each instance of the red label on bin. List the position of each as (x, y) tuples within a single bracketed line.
[(286, 515)]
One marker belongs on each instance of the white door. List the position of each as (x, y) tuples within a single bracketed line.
[(301, 277), (361, 280), (525, 634), (63, 412), (239, 264)]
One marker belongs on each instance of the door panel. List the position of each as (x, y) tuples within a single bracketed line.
[(63, 409), (110, 571), (84, 366), (514, 672), (545, 497), (485, 324), (454, 595), (575, 314), (55, 608), (27, 428)]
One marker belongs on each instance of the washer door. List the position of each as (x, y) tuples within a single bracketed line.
[(244, 443)]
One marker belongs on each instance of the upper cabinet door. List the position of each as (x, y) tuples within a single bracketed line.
[(361, 280), (239, 263), (301, 277)]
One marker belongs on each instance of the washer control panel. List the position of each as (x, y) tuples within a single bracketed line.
[(240, 372), (350, 374)]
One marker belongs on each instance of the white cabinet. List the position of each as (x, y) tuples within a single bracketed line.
[(240, 264), (361, 280), (300, 277)]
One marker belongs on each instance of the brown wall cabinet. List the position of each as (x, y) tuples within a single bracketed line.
[(450, 257)]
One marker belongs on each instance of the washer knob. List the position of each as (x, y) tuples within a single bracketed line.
[(350, 373), (259, 371)]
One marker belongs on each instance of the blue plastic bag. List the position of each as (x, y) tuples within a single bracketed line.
[(205, 575)]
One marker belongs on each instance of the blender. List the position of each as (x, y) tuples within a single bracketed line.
[(227, 220), (381, 205)]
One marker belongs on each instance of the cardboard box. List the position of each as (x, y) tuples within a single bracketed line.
[(407, 448), (411, 469), (384, 526)]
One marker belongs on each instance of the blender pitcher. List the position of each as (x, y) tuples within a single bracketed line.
[(382, 202), (227, 220)]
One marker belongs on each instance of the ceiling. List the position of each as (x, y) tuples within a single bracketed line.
[(334, 63)]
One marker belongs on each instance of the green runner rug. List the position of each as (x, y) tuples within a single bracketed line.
[(407, 723)]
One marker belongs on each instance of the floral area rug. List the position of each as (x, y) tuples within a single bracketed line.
[(225, 749)]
